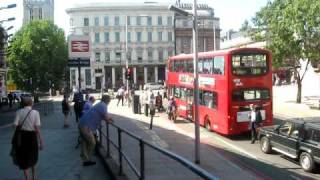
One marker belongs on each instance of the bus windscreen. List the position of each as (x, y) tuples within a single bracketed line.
[(249, 64)]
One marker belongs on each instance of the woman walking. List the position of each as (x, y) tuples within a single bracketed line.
[(65, 110), (27, 153)]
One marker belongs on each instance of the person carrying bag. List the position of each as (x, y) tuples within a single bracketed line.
[(16, 141)]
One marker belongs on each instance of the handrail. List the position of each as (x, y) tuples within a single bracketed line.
[(186, 163)]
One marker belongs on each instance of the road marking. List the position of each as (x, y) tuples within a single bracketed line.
[(295, 177), (235, 147), (5, 126)]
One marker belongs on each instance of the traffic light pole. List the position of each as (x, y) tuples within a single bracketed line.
[(127, 64)]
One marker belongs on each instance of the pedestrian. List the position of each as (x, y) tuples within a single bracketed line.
[(78, 105), (159, 102), (88, 104), (65, 110), (10, 97), (253, 124), (88, 124), (120, 94), (28, 120), (172, 109), (152, 108)]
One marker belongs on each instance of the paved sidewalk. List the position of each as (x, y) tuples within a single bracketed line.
[(59, 160), (166, 135), (285, 106)]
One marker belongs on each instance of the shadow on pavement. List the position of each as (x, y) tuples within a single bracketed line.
[(221, 162)]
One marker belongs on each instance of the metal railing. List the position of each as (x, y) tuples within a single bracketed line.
[(140, 173)]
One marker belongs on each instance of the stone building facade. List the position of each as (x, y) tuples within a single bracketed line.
[(146, 29), (38, 10), (208, 29)]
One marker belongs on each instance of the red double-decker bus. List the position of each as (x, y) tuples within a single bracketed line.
[(229, 81)]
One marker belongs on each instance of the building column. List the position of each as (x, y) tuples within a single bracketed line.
[(123, 75), (156, 74), (103, 81), (113, 78), (135, 75), (145, 74)]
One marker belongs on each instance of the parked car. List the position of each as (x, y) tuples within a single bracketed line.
[(297, 139)]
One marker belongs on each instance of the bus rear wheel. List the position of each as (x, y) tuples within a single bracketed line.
[(207, 124)]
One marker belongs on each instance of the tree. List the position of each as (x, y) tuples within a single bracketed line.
[(291, 29), (37, 56)]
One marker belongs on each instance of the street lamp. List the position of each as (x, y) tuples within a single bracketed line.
[(9, 6), (9, 19), (195, 73)]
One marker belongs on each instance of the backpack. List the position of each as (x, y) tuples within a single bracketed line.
[(258, 117)]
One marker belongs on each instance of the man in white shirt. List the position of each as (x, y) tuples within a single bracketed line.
[(253, 125)]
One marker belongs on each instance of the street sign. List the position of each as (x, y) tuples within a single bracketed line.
[(79, 47), (81, 62)]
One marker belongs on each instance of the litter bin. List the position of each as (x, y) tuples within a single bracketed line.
[(135, 106)]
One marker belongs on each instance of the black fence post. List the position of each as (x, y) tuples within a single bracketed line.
[(119, 151), (108, 141), (142, 160)]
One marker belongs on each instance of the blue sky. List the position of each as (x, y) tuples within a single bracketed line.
[(232, 13)]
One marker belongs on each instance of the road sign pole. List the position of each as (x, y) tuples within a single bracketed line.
[(79, 74)]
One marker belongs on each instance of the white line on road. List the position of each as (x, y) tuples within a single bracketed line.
[(295, 177), (235, 147)]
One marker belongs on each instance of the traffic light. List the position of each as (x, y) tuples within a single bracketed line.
[(129, 74)]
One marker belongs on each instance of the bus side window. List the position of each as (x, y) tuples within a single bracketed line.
[(177, 92), (207, 66), (200, 66), (218, 65), (190, 66)]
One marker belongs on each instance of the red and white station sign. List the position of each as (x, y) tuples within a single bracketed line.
[(79, 46)]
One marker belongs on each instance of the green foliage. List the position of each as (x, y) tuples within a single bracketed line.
[(291, 28), (38, 55)]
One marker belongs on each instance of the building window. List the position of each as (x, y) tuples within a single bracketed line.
[(170, 53), (161, 55), (149, 21), (149, 36), (40, 13), (106, 21), (107, 56), (159, 36), (96, 21), (139, 56), (169, 19), (129, 56), (88, 77), (118, 55), (159, 20), (85, 21), (97, 56), (86, 33), (31, 14), (138, 20), (150, 55), (97, 38), (128, 21), (117, 36), (116, 21), (129, 36), (185, 23), (169, 36), (97, 71), (106, 37), (71, 22), (138, 36)]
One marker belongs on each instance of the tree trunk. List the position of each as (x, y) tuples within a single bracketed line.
[(299, 82)]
